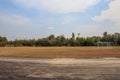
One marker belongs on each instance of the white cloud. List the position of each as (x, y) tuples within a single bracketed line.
[(58, 6), (17, 26), (95, 30), (14, 20), (87, 30), (107, 0), (67, 19), (111, 14), (51, 28)]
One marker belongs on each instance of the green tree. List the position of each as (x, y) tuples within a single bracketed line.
[(3, 41), (73, 36)]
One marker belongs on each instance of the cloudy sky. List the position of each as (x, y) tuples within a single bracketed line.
[(25, 19)]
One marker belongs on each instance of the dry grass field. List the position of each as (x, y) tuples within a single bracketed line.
[(59, 63), (60, 52)]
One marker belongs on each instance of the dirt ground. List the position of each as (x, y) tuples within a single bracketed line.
[(12, 68), (60, 52)]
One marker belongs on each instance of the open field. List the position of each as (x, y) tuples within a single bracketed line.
[(60, 52), (59, 63), (59, 69)]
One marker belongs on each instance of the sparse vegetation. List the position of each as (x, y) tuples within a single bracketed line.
[(60, 52)]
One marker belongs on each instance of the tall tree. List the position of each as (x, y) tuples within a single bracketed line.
[(3, 41), (73, 36)]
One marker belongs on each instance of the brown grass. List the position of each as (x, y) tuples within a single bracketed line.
[(60, 52)]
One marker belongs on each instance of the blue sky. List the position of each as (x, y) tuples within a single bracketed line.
[(24, 19)]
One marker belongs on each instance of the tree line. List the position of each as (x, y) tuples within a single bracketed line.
[(61, 40)]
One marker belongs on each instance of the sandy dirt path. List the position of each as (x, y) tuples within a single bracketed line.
[(12, 68)]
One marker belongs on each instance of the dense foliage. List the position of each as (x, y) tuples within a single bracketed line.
[(63, 41)]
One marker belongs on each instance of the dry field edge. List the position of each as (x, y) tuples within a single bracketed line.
[(60, 52)]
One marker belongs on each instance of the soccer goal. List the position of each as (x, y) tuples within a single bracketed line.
[(104, 43)]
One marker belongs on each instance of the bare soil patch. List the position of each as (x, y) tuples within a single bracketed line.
[(60, 52), (59, 69)]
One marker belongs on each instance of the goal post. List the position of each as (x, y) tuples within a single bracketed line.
[(107, 44)]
